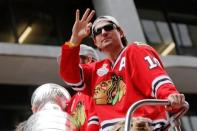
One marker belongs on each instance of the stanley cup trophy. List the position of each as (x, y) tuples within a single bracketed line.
[(48, 104)]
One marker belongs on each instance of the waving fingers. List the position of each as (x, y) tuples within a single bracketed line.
[(81, 27), (90, 16), (77, 15), (87, 16)]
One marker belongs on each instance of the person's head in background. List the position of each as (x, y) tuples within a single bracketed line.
[(87, 54), (49, 94)]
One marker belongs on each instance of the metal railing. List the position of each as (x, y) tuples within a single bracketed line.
[(173, 121)]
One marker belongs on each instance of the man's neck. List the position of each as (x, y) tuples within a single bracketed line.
[(114, 53)]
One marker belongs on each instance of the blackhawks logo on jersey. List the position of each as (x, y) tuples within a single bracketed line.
[(78, 116), (110, 91)]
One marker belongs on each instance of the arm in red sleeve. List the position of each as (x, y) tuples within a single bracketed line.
[(165, 90), (74, 74), (149, 74), (69, 65)]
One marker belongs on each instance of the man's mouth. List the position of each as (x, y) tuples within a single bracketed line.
[(106, 39)]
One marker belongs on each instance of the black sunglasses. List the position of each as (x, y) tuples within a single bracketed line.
[(108, 27)]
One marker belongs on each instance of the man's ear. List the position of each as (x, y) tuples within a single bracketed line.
[(121, 32)]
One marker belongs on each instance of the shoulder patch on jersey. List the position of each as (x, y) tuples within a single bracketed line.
[(103, 70)]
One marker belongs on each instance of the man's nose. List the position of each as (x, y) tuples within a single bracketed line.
[(103, 31)]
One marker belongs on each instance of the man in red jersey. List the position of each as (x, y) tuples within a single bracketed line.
[(128, 74), (81, 106)]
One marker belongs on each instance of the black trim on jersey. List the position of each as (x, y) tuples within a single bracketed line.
[(79, 86), (93, 119), (108, 124), (156, 83)]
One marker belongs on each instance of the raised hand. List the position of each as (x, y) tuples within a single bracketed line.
[(82, 28)]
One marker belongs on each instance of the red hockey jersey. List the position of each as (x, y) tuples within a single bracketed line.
[(136, 74), (81, 109)]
